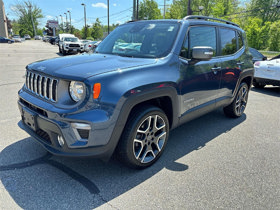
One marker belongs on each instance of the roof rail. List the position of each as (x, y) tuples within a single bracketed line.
[(199, 17)]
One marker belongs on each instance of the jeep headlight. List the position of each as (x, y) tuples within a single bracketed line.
[(76, 90)]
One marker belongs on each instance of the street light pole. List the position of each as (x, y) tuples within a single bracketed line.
[(85, 15), (66, 26), (70, 21), (62, 22), (34, 31), (108, 17)]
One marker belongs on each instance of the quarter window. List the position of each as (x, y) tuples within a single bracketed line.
[(240, 41), (228, 41)]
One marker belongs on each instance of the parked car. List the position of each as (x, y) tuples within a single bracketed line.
[(70, 45), (125, 98), (37, 37), (27, 37), (6, 40), (91, 46), (17, 38), (267, 73), (257, 56), (52, 40)]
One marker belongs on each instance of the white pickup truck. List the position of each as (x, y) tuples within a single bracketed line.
[(70, 44)]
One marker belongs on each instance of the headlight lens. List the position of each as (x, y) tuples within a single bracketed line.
[(76, 90)]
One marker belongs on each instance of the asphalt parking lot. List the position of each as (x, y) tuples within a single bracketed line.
[(209, 163)]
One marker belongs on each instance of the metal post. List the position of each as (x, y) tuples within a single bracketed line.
[(85, 15), (137, 10), (66, 26), (189, 7), (62, 22), (108, 17), (134, 10), (30, 9), (70, 22), (164, 9)]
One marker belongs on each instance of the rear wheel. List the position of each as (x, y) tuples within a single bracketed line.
[(144, 137), (237, 107)]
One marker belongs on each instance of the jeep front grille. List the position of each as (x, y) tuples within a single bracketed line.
[(43, 86)]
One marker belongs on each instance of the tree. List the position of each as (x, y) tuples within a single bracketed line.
[(86, 32), (148, 9), (274, 36), (97, 32), (267, 10), (27, 11)]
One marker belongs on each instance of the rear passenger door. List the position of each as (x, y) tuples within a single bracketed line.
[(232, 56)]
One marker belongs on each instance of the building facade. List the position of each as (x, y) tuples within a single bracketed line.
[(3, 21)]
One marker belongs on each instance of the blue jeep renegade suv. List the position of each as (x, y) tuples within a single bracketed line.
[(144, 79)]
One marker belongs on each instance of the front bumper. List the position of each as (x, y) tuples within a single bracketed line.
[(47, 127)]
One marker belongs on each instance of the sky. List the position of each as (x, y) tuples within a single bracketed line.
[(120, 10)]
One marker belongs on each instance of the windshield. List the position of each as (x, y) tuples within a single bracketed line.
[(71, 39), (141, 39)]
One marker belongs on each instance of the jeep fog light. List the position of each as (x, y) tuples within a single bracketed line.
[(60, 140), (76, 90)]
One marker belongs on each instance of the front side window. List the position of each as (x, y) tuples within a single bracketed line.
[(199, 36), (141, 39), (228, 41)]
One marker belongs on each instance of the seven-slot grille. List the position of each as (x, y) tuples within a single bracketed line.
[(44, 86), (74, 45)]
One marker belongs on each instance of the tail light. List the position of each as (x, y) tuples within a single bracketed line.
[(257, 63), (89, 45)]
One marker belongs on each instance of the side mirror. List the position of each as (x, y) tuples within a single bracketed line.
[(202, 53), (264, 58)]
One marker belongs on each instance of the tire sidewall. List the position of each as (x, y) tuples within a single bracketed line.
[(137, 122), (240, 88)]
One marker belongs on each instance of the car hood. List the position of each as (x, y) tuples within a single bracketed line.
[(80, 67)]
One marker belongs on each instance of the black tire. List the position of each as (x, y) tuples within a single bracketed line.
[(258, 85), (143, 140), (59, 50), (63, 52), (237, 107)]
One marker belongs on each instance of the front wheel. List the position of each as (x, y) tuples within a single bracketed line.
[(144, 137), (258, 85), (237, 107)]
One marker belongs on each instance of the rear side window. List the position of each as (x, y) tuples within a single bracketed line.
[(228, 41), (199, 36)]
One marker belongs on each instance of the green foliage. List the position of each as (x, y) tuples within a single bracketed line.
[(97, 32), (148, 9), (86, 32), (26, 11), (274, 34), (90, 38)]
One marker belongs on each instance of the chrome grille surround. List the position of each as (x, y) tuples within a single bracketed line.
[(41, 85)]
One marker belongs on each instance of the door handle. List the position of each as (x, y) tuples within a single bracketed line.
[(216, 69), (239, 63)]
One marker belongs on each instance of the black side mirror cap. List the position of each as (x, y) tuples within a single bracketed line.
[(202, 53), (264, 58)]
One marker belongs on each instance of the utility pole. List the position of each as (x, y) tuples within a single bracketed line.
[(164, 9), (62, 22), (85, 15), (30, 10), (70, 21), (134, 10), (189, 8), (66, 26), (108, 17), (137, 10)]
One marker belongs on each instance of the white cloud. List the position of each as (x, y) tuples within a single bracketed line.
[(102, 5), (114, 5), (13, 8), (118, 22), (49, 17), (70, 9)]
